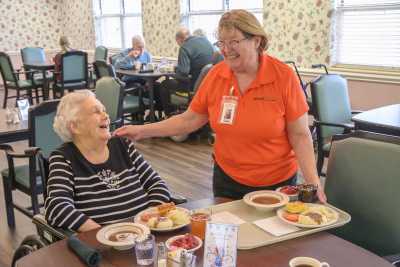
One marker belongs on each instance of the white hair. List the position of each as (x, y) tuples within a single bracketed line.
[(137, 39), (67, 112)]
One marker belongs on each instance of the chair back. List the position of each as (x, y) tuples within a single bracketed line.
[(33, 54), (363, 179), (40, 123), (102, 69), (331, 103), (6, 69), (203, 73), (110, 92), (100, 53), (74, 67), (113, 59)]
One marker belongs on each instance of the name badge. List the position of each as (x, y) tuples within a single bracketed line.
[(228, 108)]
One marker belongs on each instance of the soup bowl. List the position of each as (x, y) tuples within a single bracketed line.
[(266, 200)]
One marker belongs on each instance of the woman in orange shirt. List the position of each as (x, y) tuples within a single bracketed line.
[(257, 109)]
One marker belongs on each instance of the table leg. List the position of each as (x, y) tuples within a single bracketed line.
[(151, 96), (45, 86)]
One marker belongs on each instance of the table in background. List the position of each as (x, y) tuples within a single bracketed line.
[(10, 132), (150, 78), (385, 120), (323, 246), (43, 67)]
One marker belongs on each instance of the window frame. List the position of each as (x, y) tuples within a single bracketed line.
[(122, 15)]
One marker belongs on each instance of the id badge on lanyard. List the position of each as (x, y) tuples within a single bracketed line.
[(228, 108)]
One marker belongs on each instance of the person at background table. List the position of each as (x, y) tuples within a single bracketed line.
[(65, 46), (194, 53), (94, 178), (217, 56), (257, 109)]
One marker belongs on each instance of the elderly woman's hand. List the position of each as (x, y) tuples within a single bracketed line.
[(321, 195), (132, 132)]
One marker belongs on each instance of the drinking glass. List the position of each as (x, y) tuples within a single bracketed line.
[(198, 221), (145, 250)]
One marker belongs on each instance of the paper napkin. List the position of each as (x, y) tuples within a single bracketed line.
[(276, 226), (226, 217)]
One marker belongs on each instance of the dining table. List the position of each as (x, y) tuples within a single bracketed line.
[(42, 67), (12, 132), (384, 120), (322, 246), (150, 77)]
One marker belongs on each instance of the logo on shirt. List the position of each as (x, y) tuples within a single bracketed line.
[(109, 178), (264, 98)]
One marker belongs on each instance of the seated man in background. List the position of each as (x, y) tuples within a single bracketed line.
[(96, 179), (194, 53)]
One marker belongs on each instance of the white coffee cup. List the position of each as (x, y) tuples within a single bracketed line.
[(306, 261)]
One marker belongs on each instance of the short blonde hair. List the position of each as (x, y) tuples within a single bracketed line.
[(245, 22), (67, 112), (64, 43)]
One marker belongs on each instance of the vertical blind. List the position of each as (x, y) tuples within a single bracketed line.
[(368, 33)]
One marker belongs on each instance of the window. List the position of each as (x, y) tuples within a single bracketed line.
[(205, 14), (116, 21), (367, 33)]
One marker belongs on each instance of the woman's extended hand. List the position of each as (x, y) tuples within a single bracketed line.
[(129, 131)]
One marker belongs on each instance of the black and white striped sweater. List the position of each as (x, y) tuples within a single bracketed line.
[(109, 192)]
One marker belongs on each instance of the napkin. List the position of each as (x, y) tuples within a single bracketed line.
[(226, 217), (90, 256), (276, 226)]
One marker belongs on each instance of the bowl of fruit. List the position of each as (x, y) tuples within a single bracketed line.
[(188, 242), (292, 191)]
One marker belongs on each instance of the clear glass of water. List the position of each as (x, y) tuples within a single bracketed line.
[(145, 250)]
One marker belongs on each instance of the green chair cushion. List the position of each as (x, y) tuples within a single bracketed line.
[(21, 83), (326, 147), (71, 85), (21, 175), (131, 104), (179, 100)]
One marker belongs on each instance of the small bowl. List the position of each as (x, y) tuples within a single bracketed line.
[(256, 198), (122, 236), (172, 239), (292, 197)]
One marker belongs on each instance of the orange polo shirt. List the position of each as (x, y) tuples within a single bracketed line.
[(255, 150)]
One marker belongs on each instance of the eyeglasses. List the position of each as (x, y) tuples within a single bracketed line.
[(231, 43)]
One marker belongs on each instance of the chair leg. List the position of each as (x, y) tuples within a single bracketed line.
[(5, 97), (9, 202), (320, 162), (37, 95), (35, 204), (18, 96)]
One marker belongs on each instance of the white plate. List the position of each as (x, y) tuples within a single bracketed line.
[(171, 239), (125, 241), (284, 199), (154, 210), (280, 212)]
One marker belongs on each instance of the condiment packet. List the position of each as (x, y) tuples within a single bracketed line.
[(276, 226), (226, 217)]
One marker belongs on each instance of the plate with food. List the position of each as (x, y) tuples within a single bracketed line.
[(266, 200), (187, 242), (307, 215), (163, 218), (122, 236)]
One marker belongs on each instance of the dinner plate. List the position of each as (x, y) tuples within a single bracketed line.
[(280, 212), (137, 219)]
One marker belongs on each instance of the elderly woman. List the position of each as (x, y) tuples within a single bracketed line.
[(257, 109), (95, 179)]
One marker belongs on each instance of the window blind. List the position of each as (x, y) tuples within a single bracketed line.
[(368, 33)]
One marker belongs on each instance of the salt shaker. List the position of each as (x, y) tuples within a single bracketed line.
[(161, 255)]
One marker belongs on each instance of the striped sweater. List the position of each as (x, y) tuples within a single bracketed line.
[(108, 192)]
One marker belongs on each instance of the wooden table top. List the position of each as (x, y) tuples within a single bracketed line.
[(135, 73), (387, 116), (323, 246)]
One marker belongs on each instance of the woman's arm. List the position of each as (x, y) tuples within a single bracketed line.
[(184, 123), (59, 205), (301, 141)]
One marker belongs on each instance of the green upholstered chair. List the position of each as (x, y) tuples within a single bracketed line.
[(26, 178), (102, 69), (11, 80), (332, 112), (73, 74), (363, 179), (100, 53)]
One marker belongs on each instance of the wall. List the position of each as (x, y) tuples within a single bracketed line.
[(160, 22)]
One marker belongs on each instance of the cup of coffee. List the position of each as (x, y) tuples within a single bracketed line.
[(306, 262)]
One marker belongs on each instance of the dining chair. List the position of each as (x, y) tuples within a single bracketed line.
[(100, 53), (332, 112), (12, 81), (363, 180), (73, 73), (25, 178)]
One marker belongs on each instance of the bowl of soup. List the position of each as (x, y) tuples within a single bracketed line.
[(122, 236), (266, 200)]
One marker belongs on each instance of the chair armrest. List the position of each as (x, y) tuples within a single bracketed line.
[(29, 152), (346, 126), (131, 90), (178, 199), (393, 259), (354, 112), (6, 147), (40, 221)]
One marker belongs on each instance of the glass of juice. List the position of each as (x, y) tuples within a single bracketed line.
[(198, 221)]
